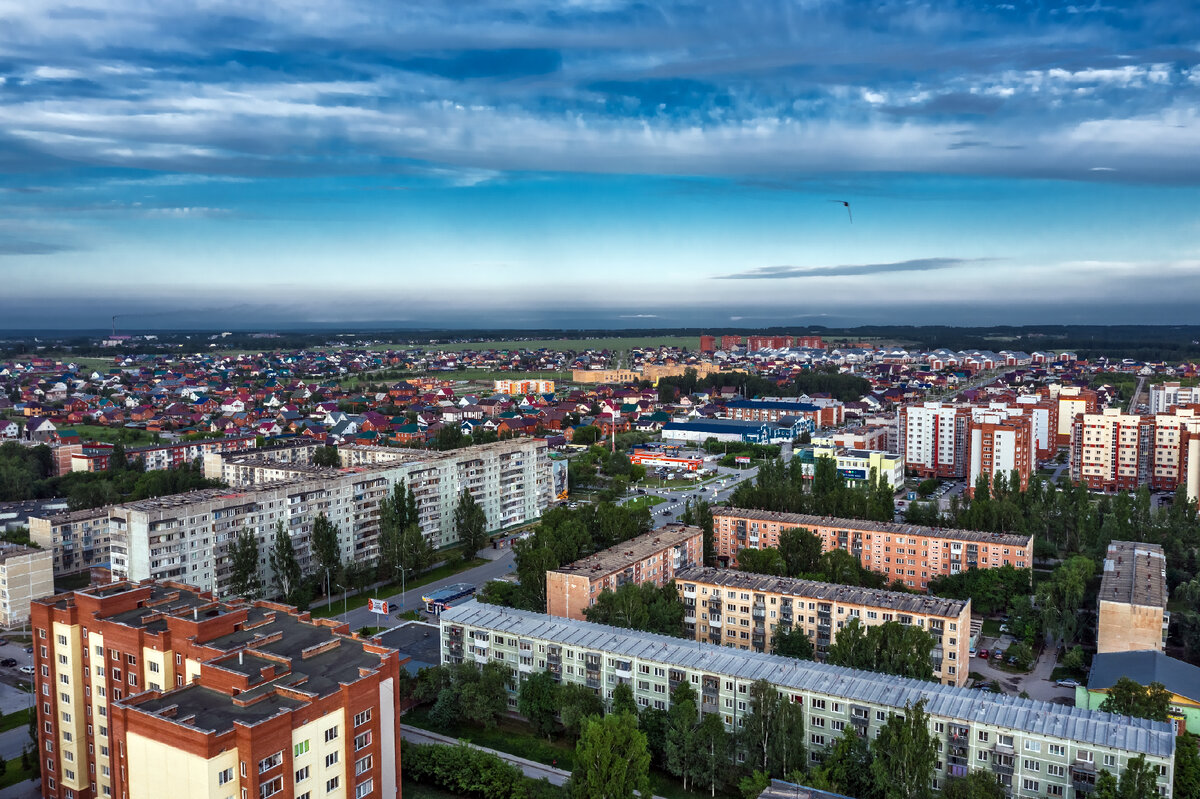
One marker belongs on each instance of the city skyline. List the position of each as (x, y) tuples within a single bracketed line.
[(598, 164)]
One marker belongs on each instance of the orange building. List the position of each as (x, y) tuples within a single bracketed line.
[(650, 558), (150, 690), (1000, 442), (911, 553)]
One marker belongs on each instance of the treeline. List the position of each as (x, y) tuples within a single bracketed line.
[(844, 387), (564, 536), (28, 473), (784, 487)]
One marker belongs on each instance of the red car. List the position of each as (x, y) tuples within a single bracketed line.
[(983, 653)]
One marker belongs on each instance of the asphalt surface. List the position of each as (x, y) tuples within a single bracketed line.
[(1036, 683)]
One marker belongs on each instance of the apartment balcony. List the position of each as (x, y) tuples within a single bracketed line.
[(759, 611), (715, 622), (623, 669), (593, 683)]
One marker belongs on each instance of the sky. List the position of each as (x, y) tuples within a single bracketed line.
[(597, 163)]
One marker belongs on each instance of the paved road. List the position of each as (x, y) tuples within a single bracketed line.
[(13, 742), (500, 563), (1036, 683), (1137, 392), (30, 789), (677, 497)]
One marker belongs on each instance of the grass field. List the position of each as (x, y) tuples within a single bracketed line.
[(646, 501), (125, 435), (576, 344)]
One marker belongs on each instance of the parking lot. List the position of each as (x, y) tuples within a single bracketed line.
[(1036, 683)]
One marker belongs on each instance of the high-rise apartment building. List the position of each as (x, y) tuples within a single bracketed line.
[(742, 610), (1167, 395), (1002, 441), (1072, 401), (25, 574), (933, 439), (911, 553), (147, 691), (1112, 450)]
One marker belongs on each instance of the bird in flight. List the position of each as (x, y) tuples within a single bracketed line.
[(843, 202)]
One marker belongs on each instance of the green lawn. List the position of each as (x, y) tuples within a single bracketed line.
[(126, 435), (646, 501), (18, 718), (991, 628), (453, 566), (13, 773)]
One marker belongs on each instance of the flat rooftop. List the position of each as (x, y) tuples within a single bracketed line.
[(618, 557), (828, 592), (946, 701), (1135, 574), (891, 528), (212, 711)]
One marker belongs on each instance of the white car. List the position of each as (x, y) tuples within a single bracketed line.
[(26, 669)]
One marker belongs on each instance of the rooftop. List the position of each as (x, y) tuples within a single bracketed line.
[(1145, 667), (892, 528), (632, 551), (778, 789), (832, 592), (1135, 574), (945, 701)]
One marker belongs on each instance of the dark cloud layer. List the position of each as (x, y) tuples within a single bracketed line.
[(845, 270)]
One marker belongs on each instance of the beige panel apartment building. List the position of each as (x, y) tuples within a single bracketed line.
[(25, 574), (1133, 598), (654, 557), (1035, 749), (911, 553), (743, 610), (78, 539)]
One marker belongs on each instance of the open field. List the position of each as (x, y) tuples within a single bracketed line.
[(611, 343), (125, 435)]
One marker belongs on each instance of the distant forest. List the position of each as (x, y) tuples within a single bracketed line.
[(1138, 342)]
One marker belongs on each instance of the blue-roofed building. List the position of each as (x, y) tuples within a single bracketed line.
[(735, 430)]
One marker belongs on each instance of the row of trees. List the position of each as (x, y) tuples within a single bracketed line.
[(848, 388), (785, 487), (799, 555)]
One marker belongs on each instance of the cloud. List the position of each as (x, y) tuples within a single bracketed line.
[(21, 247), (845, 270), (639, 316)]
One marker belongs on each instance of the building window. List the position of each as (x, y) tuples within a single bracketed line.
[(331, 785), (363, 764), (364, 789), (300, 748), (362, 718), (331, 759), (224, 777), (361, 741), (268, 763), (270, 788), (302, 774), (331, 734)]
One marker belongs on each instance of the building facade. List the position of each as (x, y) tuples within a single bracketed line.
[(1036, 749), (188, 536), (523, 386), (1000, 443), (854, 465), (738, 609), (911, 553), (1112, 450), (825, 413), (653, 557), (78, 540), (25, 574), (152, 690), (933, 439), (1133, 599), (1165, 396), (162, 456)]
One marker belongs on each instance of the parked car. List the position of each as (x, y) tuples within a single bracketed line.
[(28, 650), (1067, 683), (8, 662), (997, 654), (1004, 628), (983, 653), (26, 669), (666, 513), (1012, 660)]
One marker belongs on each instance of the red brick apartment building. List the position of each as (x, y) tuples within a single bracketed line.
[(708, 344), (1000, 443), (650, 558), (152, 690), (933, 439), (911, 553)]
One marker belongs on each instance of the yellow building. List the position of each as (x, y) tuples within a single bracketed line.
[(1133, 598), (743, 610), (157, 690)]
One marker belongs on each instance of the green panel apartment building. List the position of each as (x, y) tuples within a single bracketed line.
[(1038, 749)]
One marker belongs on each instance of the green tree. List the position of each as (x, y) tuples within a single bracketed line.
[(285, 567), (611, 759), (326, 456), (537, 700), (416, 552), (1128, 698), (586, 434), (623, 701), (754, 784), (392, 517), (640, 606), (904, 754), (1187, 766), (245, 580), (470, 523), (979, 784), (760, 726), (846, 767), (575, 704), (761, 561), (800, 550), (117, 460), (1139, 780), (679, 748), (711, 744), (483, 698), (499, 592), (791, 642), (325, 545), (851, 647)]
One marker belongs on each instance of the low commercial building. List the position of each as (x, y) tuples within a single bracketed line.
[(25, 574), (911, 553), (654, 557), (827, 413), (857, 437), (1180, 678), (1036, 749), (733, 430), (1133, 598), (653, 459), (743, 610), (159, 690), (854, 465)]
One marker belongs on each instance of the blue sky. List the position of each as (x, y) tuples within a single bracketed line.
[(597, 163)]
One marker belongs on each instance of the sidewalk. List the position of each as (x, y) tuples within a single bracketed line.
[(30, 789)]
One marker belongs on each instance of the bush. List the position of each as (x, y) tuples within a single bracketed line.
[(469, 772)]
